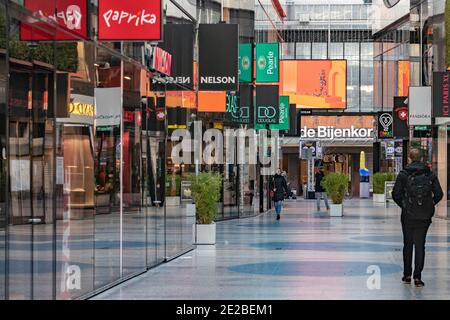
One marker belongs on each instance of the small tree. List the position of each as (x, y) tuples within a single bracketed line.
[(206, 188), (336, 185), (379, 180)]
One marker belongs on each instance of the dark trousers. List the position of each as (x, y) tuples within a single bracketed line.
[(414, 235)]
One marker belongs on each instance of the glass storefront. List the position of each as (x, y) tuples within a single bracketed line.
[(82, 172)]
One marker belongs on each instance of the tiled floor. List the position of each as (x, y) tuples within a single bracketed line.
[(306, 255)]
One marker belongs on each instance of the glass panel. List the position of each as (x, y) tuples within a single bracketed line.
[(75, 179), (133, 217), (3, 164), (303, 50), (319, 50), (31, 131), (107, 168)]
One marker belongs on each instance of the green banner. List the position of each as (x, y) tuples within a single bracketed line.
[(245, 62), (267, 60), (284, 117)]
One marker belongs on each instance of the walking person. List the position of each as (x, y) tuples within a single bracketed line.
[(279, 187), (320, 191), (416, 191)]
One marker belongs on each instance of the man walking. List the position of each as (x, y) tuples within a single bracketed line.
[(416, 191), (320, 191)]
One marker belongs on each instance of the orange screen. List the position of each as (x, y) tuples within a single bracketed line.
[(314, 84), (212, 101)]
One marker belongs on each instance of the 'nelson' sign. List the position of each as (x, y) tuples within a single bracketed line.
[(441, 87), (218, 57), (130, 20)]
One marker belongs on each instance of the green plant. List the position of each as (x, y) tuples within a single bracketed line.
[(379, 180), (173, 189), (205, 188), (336, 185)]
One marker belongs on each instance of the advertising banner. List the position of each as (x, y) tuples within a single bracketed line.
[(420, 106), (179, 42), (267, 62), (267, 104), (240, 108), (314, 84), (401, 128), (283, 123), (385, 122), (129, 20), (404, 71), (69, 14), (218, 57), (161, 61), (245, 62), (441, 86)]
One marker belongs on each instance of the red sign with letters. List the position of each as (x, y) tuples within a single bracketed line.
[(162, 61), (69, 14), (129, 20)]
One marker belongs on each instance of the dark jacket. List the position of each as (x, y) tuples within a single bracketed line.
[(319, 176), (279, 187), (398, 193)]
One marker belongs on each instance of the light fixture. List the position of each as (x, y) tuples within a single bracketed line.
[(127, 78)]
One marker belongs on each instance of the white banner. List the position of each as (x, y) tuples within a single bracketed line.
[(108, 102), (419, 106)]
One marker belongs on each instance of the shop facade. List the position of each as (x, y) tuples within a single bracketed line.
[(82, 197)]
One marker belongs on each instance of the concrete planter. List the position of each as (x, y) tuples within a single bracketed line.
[(204, 233), (336, 210), (379, 198)]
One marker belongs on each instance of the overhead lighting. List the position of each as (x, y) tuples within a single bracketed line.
[(127, 78)]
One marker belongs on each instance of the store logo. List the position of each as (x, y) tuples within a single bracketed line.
[(141, 18), (402, 113), (266, 112), (217, 80), (245, 63), (241, 113), (262, 62), (160, 115), (81, 109), (71, 17), (386, 120), (330, 132)]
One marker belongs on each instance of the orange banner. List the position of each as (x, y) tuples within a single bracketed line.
[(212, 101), (314, 84), (403, 78)]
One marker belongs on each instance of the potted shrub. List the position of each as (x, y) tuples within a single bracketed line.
[(336, 185), (379, 180), (205, 190)]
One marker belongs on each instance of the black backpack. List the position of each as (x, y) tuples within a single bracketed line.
[(419, 202)]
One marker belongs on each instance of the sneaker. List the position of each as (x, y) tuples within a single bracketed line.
[(278, 217), (419, 283), (406, 280)]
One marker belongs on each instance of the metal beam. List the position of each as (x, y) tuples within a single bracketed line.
[(180, 7)]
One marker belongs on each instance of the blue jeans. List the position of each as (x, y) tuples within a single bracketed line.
[(278, 206)]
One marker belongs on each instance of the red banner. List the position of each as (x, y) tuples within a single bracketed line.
[(162, 61), (129, 20), (69, 14)]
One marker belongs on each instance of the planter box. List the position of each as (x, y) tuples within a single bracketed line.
[(173, 201), (336, 210), (204, 233), (379, 198)]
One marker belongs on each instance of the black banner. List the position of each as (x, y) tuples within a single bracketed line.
[(267, 104), (385, 122), (240, 108), (441, 83), (218, 57), (179, 42), (401, 129)]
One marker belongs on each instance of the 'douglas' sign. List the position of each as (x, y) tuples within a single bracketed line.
[(130, 20)]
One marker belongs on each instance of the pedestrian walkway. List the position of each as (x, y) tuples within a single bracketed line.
[(306, 255)]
